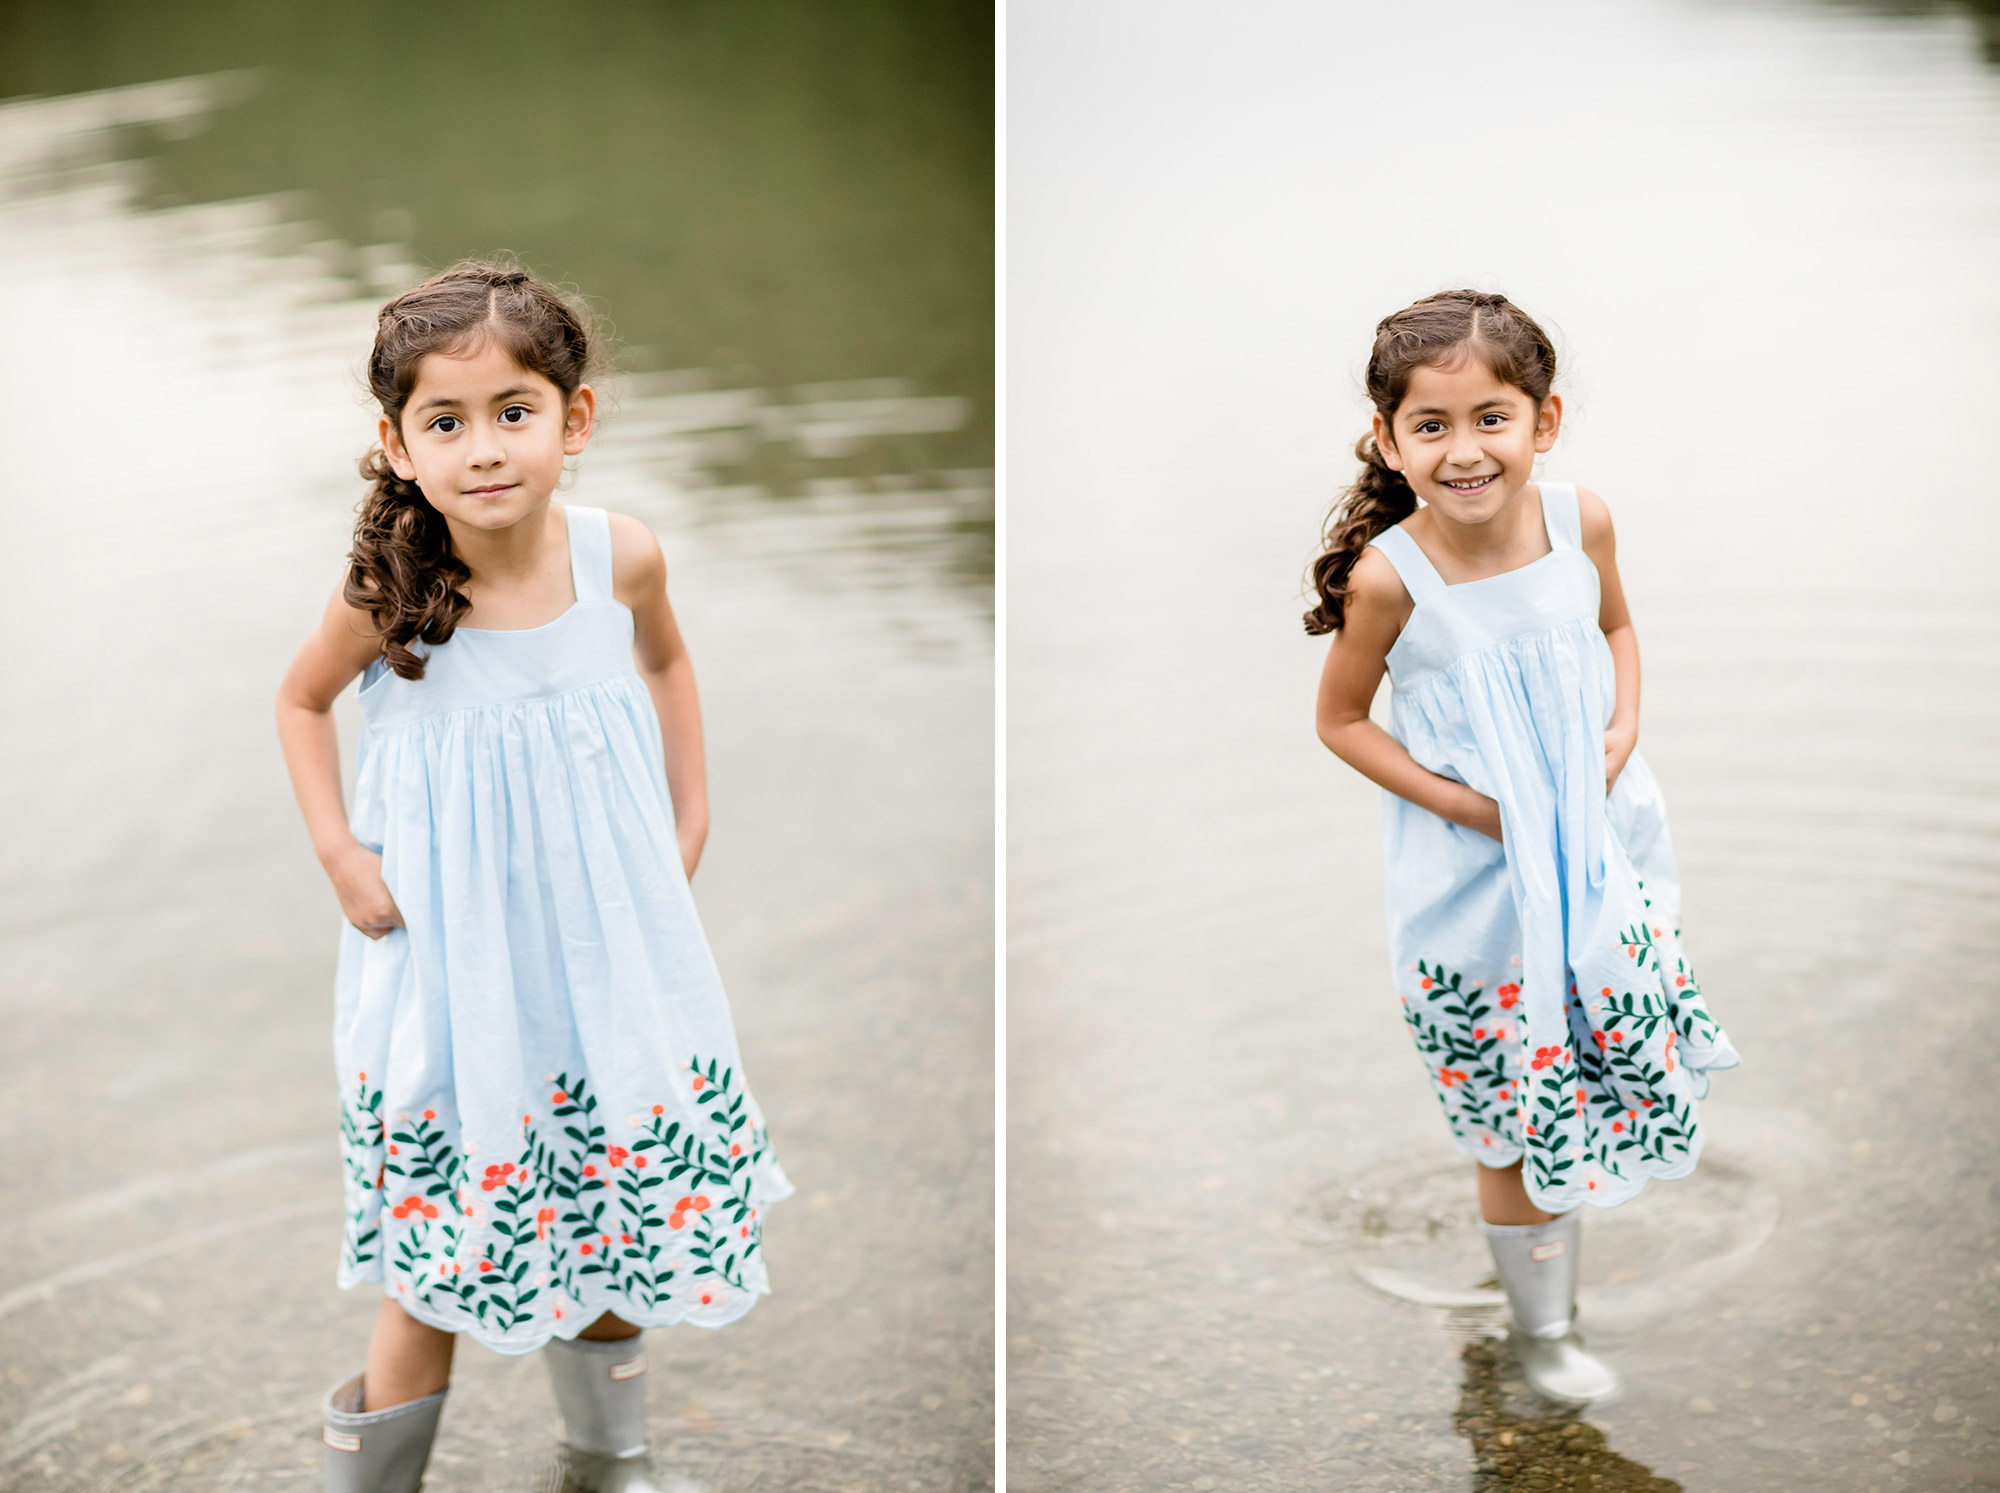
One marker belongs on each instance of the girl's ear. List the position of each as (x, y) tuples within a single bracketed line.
[(1385, 442), (580, 420), (1548, 420), (392, 447)]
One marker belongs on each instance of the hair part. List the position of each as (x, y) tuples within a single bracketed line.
[(1438, 331), (402, 570)]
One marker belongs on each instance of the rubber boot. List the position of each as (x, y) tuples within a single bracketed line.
[(378, 1451), (1537, 1264), (601, 1387)]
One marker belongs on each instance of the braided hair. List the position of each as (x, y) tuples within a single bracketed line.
[(402, 570), (1431, 332)]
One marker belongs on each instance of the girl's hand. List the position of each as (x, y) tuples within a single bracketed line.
[(690, 840), (356, 873), (1482, 814), (1619, 742)]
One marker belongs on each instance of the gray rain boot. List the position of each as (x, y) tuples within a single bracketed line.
[(601, 1388), (1537, 1264), (378, 1451)]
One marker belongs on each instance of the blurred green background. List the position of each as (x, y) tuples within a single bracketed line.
[(778, 193)]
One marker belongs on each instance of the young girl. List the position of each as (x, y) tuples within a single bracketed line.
[(545, 1129), (1534, 908)]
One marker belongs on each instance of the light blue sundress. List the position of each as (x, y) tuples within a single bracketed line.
[(1544, 981), (543, 1114)]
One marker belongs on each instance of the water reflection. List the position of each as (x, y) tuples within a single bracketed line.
[(1517, 1445), (784, 198)]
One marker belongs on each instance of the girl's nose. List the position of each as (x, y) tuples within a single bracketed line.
[(486, 449)]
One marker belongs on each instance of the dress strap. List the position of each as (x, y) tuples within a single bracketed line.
[(1420, 577), (1561, 516), (589, 552)]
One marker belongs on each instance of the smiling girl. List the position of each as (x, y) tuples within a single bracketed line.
[(1534, 907), (544, 1126)]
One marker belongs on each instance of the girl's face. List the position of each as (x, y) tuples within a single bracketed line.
[(1466, 441), (485, 438)]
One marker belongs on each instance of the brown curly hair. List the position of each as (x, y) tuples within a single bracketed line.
[(1431, 332), (402, 570)]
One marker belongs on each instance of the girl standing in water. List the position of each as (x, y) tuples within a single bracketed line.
[(546, 1135), (1534, 908)]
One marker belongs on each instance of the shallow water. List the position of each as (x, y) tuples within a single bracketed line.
[(1765, 236), (183, 417)]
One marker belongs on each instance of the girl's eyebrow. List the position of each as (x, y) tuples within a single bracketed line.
[(1495, 403), (442, 399)]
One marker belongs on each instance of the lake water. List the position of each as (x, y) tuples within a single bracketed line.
[(199, 212), (1766, 237)]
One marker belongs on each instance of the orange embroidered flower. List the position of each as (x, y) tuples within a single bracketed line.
[(699, 1083), (558, 1097), (616, 1155), (430, 1114), (1545, 1056), (1450, 1076), (1425, 983), (586, 1249), (1510, 995), (659, 1109)]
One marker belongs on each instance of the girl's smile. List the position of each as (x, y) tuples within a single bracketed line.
[(1465, 440)]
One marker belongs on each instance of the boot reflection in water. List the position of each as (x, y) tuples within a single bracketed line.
[(1547, 1451)]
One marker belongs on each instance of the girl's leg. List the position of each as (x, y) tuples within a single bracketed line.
[(1504, 1199), (609, 1328), (407, 1359)]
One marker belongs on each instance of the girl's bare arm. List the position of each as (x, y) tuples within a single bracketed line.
[(1601, 544), (1377, 608), (639, 579), (337, 650)]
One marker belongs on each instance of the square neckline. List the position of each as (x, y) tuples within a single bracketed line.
[(1541, 501), (575, 591)]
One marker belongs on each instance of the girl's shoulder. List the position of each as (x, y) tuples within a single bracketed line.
[(1377, 601), (638, 566)]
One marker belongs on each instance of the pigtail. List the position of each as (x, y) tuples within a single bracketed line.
[(1378, 501), (402, 570)]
